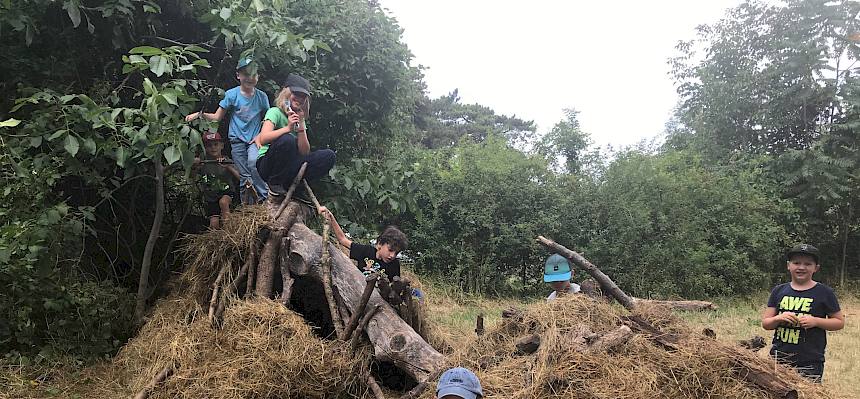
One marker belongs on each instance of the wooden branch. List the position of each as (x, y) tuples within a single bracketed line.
[(158, 379), (605, 282), (362, 304), (251, 260), (216, 290), (693, 306), (479, 325), (291, 190), (419, 389), (610, 340), (266, 265), (286, 279), (143, 282), (325, 259), (754, 343), (374, 387), (637, 323), (356, 336)]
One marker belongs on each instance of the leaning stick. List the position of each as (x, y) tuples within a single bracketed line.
[(359, 311), (216, 291), (419, 389), (353, 342), (251, 262), (325, 261), (158, 379), (605, 282), (231, 288), (286, 201), (374, 387)]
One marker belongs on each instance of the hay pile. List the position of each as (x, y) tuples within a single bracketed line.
[(637, 369), (263, 350)]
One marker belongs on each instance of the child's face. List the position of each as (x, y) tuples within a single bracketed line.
[(297, 102), (246, 79), (213, 148), (385, 253), (559, 286), (801, 267)]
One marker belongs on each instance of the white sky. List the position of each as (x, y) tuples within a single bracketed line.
[(533, 58)]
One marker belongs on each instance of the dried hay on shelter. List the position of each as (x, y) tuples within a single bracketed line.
[(700, 367), (262, 350)]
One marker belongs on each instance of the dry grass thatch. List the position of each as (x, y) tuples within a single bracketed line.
[(263, 350), (700, 368)]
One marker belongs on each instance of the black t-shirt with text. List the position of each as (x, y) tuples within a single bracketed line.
[(366, 254), (797, 344)]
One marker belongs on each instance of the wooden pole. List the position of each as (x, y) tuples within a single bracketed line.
[(359, 311), (479, 325), (353, 342), (374, 387), (166, 372), (291, 190), (325, 260), (605, 282)]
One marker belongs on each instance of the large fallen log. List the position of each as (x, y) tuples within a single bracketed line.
[(693, 306), (392, 338)]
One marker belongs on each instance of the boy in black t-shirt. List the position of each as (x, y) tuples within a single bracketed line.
[(381, 257), (801, 312), (219, 180)]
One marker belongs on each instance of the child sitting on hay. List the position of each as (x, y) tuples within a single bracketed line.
[(218, 180), (801, 312)]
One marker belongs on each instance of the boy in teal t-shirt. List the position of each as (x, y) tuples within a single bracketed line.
[(248, 105)]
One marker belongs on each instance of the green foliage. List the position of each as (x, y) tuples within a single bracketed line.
[(565, 141)]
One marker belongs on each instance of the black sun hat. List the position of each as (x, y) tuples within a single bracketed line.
[(803, 249), (298, 84)]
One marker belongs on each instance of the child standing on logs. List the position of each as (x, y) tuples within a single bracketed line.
[(459, 383), (382, 257), (801, 312), (557, 273), (283, 141), (218, 180), (248, 105)]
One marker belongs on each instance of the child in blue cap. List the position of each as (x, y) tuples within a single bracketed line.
[(457, 383), (557, 273)]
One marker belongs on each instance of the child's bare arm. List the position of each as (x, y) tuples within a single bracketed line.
[(233, 171), (215, 116), (335, 227), (832, 322)]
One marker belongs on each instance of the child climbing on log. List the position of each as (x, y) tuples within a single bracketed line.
[(248, 105), (557, 273), (382, 257), (218, 180), (801, 312), (283, 140), (459, 383)]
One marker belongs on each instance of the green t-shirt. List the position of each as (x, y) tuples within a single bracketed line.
[(279, 119)]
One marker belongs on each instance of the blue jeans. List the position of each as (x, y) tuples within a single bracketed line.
[(245, 158), (282, 162)]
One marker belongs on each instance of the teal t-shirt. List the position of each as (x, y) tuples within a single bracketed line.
[(279, 119), (247, 114)]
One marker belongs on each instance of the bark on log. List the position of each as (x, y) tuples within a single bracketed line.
[(251, 260), (266, 265), (605, 282), (286, 279), (356, 336), (325, 260), (393, 340), (610, 340), (166, 372), (216, 291), (637, 323), (693, 306), (528, 344), (362, 304)]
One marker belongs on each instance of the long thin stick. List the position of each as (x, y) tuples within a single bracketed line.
[(325, 261), (158, 379), (353, 342), (216, 290), (374, 387), (299, 177), (359, 311), (605, 282)]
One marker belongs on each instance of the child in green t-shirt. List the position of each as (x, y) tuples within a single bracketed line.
[(283, 140)]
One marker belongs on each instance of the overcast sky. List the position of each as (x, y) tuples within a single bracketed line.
[(535, 58)]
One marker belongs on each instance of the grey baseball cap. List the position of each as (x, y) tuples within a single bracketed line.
[(460, 382)]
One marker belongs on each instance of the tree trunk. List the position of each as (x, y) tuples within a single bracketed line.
[(143, 283), (266, 266), (605, 282), (392, 338)]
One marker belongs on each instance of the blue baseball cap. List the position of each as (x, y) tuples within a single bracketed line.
[(460, 382), (244, 62), (557, 268)]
